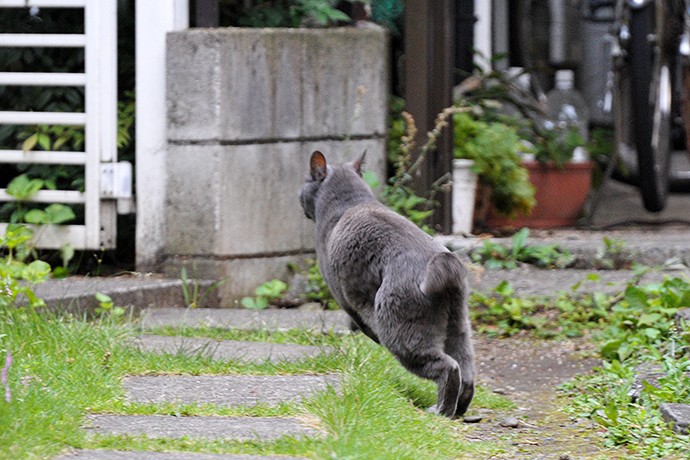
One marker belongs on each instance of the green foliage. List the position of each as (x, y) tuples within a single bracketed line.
[(317, 289), (17, 277), (126, 110), (638, 426), (496, 96), (55, 213), (23, 189), (291, 13), (567, 314), (396, 129), (634, 327), (495, 149), (643, 317), (52, 137), (265, 294), (106, 306), (403, 200), (65, 368), (498, 256), (556, 145), (612, 255), (397, 193)]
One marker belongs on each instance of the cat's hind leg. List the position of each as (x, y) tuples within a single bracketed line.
[(419, 354), (459, 345)]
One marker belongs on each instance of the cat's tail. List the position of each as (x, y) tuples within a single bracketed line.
[(444, 274)]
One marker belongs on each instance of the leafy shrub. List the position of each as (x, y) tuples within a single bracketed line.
[(495, 149), (17, 277)]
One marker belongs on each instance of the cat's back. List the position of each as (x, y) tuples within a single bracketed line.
[(371, 229)]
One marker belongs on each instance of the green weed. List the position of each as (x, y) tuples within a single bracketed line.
[(191, 289), (265, 294), (498, 256)]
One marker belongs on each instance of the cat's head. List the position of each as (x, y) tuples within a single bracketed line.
[(347, 176)]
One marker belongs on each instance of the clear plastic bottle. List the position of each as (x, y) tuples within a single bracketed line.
[(565, 106), (567, 109)]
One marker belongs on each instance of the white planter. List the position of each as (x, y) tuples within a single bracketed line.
[(464, 190)]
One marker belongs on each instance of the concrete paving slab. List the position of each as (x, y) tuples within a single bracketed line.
[(231, 318), (226, 390), (139, 455), (229, 428), (228, 349), (77, 293), (678, 415), (648, 246)]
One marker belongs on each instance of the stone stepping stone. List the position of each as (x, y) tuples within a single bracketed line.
[(140, 455), (234, 318), (229, 349), (678, 415), (167, 426), (226, 390)]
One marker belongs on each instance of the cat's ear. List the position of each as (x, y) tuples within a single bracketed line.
[(317, 166), (358, 163)]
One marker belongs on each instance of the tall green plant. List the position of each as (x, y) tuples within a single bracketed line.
[(495, 149), (398, 193), (18, 278)]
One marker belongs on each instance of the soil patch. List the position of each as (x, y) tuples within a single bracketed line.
[(528, 372)]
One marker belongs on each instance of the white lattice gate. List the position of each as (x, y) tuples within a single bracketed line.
[(104, 179)]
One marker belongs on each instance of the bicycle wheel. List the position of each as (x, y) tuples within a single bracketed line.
[(651, 94)]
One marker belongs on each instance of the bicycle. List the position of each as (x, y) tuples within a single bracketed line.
[(650, 54)]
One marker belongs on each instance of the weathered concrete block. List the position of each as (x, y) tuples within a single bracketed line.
[(243, 199), (246, 107), (239, 276), (678, 415), (236, 84)]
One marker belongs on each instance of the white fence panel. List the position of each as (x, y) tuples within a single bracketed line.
[(99, 120)]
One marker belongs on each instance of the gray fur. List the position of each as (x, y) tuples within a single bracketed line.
[(401, 288)]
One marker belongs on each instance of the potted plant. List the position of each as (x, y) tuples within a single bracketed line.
[(561, 173), (551, 155), (494, 149)]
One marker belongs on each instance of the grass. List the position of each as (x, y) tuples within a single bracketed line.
[(64, 368)]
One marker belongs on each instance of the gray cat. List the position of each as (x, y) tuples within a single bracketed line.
[(401, 288)]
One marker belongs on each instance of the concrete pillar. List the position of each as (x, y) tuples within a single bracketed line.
[(246, 107)]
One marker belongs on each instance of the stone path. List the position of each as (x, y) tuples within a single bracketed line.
[(525, 370), (167, 426), (121, 455), (218, 390), (275, 320), (228, 349), (225, 390)]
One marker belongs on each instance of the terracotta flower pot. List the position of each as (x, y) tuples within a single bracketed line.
[(561, 194)]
